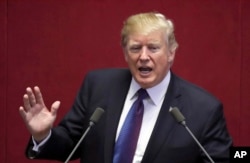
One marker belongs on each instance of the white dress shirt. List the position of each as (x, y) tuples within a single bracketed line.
[(152, 106)]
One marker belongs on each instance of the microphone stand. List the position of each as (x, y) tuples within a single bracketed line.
[(79, 142), (181, 119)]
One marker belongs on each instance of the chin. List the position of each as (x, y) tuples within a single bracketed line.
[(145, 83)]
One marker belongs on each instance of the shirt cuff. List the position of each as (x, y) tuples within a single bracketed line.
[(38, 145)]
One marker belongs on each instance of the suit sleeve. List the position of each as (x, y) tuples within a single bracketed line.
[(215, 137)]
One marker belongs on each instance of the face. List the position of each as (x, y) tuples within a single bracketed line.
[(148, 57)]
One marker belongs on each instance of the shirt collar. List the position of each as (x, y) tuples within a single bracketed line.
[(156, 93)]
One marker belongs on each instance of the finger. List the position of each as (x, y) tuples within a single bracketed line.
[(22, 112), (54, 107), (31, 96), (38, 95), (26, 102)]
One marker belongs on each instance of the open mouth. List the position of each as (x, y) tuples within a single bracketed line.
[(145, 70)]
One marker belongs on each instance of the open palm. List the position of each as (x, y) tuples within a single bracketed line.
[(37, 117)]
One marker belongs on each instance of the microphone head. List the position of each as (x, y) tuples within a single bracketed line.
[(96, 115), (177, 115)]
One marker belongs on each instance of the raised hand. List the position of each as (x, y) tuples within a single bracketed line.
[(37, 117)]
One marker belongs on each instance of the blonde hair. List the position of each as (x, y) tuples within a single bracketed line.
[(145, 23)]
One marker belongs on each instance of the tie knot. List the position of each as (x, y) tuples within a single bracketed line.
[(142, 94)]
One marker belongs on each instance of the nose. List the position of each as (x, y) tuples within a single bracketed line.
[(144, 56)]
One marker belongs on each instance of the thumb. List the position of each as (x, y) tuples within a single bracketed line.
[(54, 107)]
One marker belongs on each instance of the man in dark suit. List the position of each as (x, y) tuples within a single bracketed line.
[(149, 46)]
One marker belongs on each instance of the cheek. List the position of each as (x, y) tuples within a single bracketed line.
[(161, 66), (162, 61), (131, 60)]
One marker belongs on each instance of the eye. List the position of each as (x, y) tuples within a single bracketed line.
[(135, 48), (153, 48)]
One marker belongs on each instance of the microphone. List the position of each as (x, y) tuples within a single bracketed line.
[(93, 120), (181, 119)]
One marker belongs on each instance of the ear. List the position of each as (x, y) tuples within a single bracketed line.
[(125, 54), (171, 55)]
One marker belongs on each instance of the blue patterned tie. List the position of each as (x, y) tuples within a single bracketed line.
[(127, 140)]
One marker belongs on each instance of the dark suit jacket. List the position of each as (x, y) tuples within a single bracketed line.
[(169, 142)]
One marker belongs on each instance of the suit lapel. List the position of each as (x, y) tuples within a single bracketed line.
[(164, 123), (115, 104), (163, 126)]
